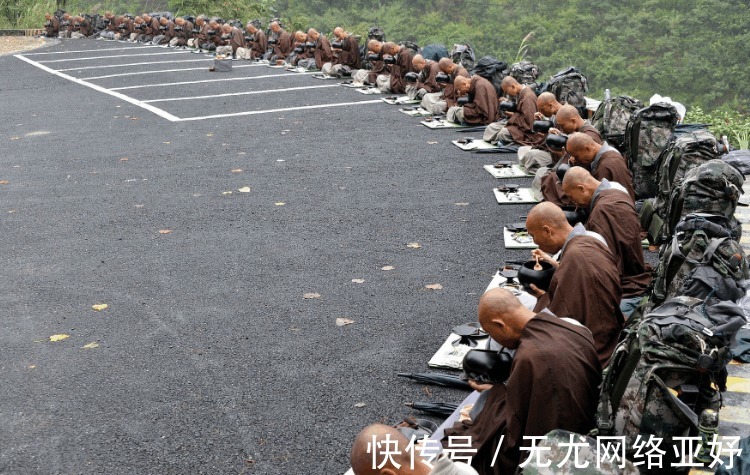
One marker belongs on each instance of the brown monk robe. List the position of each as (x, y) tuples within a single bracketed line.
[(568, 121), (322, 52), (552, 384), (233, 38), (256, 42), (166, 31), (378, 67), (453, 71), (427, 70), (283, 42), (403, 65), (125, 28), (183, 31), (299, 40), (612, 214), (482, 106), (201, 37), (519, 128), (51, 26), (349, 55), (586, 284), (601, 160)]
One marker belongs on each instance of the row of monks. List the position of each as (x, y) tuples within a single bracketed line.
[(562, 344)]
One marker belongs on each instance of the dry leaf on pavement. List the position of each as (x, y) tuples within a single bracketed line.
[(99, 307), (360, 404), (433, 286), (279, 203), (59, 337), (237, 170), (245, 189), (90, 346), (165, 231), (414, 245), (358, 281), (311, 295), (387, 268), (461, 204), (342, 322)]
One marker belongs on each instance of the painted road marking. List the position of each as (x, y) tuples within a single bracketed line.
[(182, 83), (244, 93), (111, 56), (106, 66), (286, 109), (135, 73), (91, 50)]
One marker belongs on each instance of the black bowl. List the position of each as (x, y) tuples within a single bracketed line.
[(462, 100), (411, 77), (575, 216), (508, 106), (541, 278), (442, 78), (487, 366), (542, 126), (562, 169), (556, 141)]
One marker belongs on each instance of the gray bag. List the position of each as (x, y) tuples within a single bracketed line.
[(222, 65)]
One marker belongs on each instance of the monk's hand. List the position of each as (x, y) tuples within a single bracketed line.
[(509, 114), (543, 256), (464, 415), (538, 116), (536, 291), (554, 131), (479, 387)]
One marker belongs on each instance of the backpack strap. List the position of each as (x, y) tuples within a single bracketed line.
[(698, 222), (708, 254)]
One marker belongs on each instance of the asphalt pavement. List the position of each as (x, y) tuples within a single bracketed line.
[(209, 358)]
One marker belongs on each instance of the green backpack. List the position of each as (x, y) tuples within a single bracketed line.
[(667, 368), (684, 152), (570, 87), (646, 136), (611, 119)]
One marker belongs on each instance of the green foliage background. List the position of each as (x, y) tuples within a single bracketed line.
[(696, 51)]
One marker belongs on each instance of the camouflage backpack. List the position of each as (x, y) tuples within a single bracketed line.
[(492, 70), (611, 119), (685, 152), (570, 86), (665, 371), (646, 136), (525, 72), (463, 54)]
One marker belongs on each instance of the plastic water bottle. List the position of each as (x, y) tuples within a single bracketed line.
[(607, 95), (708, 427)]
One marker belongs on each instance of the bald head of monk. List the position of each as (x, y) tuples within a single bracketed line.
[(510, 86), (200, 20), (313, 34), (418, 62), (462, 85), (163, 21), (300, 36), (580, 186), (180, 21), (339, 33), (275, 27), (447, 66), (251, 28), (213, 25), (389, 446), (391, 48), (503, 316), (375, 46), (548, 227), (568, 119), (582, 148), (547, 104)]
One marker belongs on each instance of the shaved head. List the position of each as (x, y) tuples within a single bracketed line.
[(418, 62), (503, 316), (547, 225), (300, 36), (582, 148), (446, 65), (391, 48), (580, 185), (313, 34), (547, 104), (379, 443), (568, 119), (510, 86), (275, 27), (462, 85)]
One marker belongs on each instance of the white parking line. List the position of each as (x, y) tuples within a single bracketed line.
[(112, 56), (165, 71), (286, 109), (245, 93), (135, 64), (182, 83), (91, 50), (123, 97)]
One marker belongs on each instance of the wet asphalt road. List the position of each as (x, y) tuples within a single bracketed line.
[(209, 359)]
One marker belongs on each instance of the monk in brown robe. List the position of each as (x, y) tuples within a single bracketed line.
[(346, 56), (255, 43), (426, 84), (586, 284), (552, 384), (280, 41), (199, 33), (482, 106), (322, 52), (300, 51), (612, 215), (601, 160), (519, 127), (376, 66), (125, 29), (546, 185), (182, 29), (51, 26), (395, 81), (81, 27), (439, 102), (547, 106), (233, 39)]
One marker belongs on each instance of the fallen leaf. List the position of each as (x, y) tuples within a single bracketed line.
[(244, 189), (431, 143), (59, 337), (15, 138), (427, 391), (360, 404), (358, 281), (139, 206), (433, 286), (237, 170), (311, 295), (90, 346), (387, 268), (280, 160), (210, 134), (99, 307), (118, 106), (414, 245), (167, 143), (134, 118), (279, 203), (165, 231), (461, 204), (124, 159), (4, 182), (342, 322), (226, 193), (11, 211), (32, 366)]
